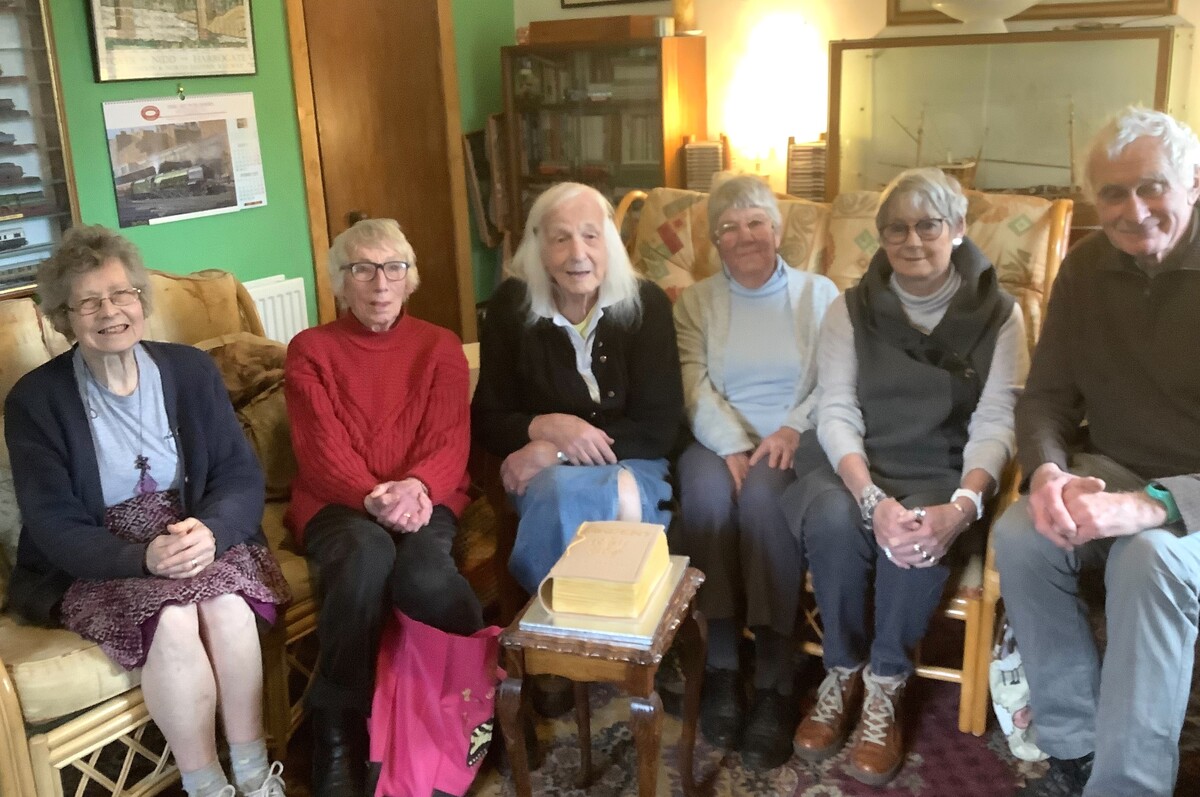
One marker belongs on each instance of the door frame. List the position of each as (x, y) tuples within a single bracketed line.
[(314, 183)]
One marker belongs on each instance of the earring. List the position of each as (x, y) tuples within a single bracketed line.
[(956, 240)]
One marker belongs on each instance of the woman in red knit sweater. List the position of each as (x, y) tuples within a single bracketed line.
[(379, 416)]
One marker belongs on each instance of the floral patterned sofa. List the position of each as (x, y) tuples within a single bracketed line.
[(1025, 238)]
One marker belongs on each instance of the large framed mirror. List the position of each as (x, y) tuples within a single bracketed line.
[(1008, 112)]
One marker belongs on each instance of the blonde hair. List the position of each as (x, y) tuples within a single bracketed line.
[(619, 292), (371, 232)]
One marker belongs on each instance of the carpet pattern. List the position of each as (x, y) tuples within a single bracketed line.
[(941, 761)]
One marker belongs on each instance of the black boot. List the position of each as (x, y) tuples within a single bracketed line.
[(339, 754), (767, 740)]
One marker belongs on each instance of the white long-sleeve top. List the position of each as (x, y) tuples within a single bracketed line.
[(991, 438)]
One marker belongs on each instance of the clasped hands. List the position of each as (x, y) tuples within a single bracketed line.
[(579, 441), (1071, 510), (186, 548), (917, 537), (401, 506)]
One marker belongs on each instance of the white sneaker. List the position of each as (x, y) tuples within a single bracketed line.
[(271, 787)]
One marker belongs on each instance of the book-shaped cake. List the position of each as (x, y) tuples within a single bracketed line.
[(610, 569)]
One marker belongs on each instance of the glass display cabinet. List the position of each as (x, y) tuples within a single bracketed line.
[(36, 190), (1004, 112)]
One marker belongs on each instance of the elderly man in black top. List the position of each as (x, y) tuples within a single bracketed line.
[(1108, 432)]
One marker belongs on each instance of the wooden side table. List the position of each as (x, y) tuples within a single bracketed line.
[(584, 661)]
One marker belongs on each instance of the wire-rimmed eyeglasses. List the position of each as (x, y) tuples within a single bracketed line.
[(92, 304), (897, 231), (365, 270)]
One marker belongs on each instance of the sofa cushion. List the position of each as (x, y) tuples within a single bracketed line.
[(21, 341), (252, 369), (57, 672), (291, 561), (194, 307), (10, 519)]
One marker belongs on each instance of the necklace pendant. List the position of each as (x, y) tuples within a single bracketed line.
[(145, 483)]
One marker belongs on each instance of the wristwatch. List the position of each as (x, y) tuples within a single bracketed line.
[(976, 499), (871, 497), (1161, 494)]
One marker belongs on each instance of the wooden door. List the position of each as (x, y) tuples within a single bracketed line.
[(377, 94)]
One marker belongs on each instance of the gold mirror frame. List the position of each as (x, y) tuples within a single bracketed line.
[(1164, 36), (897, 14)]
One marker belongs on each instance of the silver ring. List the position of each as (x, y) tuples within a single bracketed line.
[(919, 512), (407, 515), (888, 553), (193, 564), (926, 557), (918, 549)]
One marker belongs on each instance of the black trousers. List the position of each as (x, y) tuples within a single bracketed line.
[(362, 569)]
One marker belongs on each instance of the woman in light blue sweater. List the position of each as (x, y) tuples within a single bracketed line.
[(747, 343)]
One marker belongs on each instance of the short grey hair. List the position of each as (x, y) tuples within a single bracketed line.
[(370, 232), (1179, 143), (85, 248), (619, 292), (928, 188), (743, 192)]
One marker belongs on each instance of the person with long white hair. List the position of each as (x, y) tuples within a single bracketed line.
[(579, 388)]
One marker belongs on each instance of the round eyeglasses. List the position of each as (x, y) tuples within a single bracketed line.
[(92, 304), (365, 270), (897, 231)]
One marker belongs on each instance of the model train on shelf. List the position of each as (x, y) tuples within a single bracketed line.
[(12, 239), (21, 202)]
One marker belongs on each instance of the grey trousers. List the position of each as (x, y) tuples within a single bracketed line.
[(1130, 712), (752, 564)]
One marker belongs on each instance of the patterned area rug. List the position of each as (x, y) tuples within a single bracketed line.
[(941, 762)]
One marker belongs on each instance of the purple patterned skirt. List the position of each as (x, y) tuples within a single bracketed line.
[(121, 614)]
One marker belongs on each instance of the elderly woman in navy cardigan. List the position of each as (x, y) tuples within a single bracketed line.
[(141, 501)]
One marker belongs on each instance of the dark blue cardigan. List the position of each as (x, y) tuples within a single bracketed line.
[(57, 481)]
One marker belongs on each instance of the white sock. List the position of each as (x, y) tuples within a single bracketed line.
[(205, 781), (249, 764)]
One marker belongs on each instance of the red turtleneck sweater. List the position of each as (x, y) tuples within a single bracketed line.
[(368, 407)]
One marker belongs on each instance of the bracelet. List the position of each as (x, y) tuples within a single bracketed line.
[(562, 458), (871, 497)]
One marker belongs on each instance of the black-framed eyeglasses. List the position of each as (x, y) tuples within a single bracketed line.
[(897, 231), (92, 304), (365, 270)]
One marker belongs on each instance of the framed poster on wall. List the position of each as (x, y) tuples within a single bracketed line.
[(142, 39), (919, 12), (587, 3)]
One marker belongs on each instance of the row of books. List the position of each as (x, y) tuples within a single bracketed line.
[(586, 77), (553, 141)]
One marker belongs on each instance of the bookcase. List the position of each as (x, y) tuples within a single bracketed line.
[(36, 189), (611, 114)]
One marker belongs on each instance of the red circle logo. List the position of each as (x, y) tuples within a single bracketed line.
[(151, 112)]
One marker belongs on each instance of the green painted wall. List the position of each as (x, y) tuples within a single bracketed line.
[(481, 28), (252, 243)]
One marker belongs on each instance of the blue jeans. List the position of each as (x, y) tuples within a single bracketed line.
[(561, 497)]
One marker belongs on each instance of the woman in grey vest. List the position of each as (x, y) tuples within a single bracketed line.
[(919, 368), (748, 346)]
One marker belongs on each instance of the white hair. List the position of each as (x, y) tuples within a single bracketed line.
[(928, 188), (1179, 144), (742, 192), (619, 292), (370, 232)]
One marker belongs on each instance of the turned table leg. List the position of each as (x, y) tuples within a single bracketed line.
[(583, 718), (645, 715), (508, 707), (693, 646)]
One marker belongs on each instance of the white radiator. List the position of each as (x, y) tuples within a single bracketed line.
[(282, 305)]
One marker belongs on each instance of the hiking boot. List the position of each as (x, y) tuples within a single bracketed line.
[(827, 726), (766, 743), (878, 750), (1066, 777), (722, 708)]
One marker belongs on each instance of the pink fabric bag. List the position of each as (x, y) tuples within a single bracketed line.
[(432, 713)]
